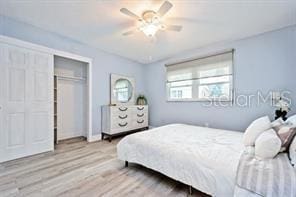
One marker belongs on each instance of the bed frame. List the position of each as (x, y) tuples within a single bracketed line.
[(190, 192)]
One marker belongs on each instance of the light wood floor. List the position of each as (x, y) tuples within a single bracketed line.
[(78, 168)]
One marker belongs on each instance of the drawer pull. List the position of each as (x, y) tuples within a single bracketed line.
[(122, 125), (140, 122), (140, 115), (122, 109), (122, 117), (139, 108)]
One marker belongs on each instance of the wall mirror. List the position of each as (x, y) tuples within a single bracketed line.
[(122, 89)]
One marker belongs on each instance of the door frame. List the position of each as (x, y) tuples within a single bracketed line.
[(55, 52)]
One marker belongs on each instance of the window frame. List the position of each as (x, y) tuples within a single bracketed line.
[(196, 81)]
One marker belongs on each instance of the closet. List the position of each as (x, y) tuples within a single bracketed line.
[(45, 96), (70, 98)]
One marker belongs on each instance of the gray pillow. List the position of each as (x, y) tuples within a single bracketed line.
[(286, 134)]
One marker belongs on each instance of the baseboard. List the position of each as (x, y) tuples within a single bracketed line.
[(94, 138), (68, 135)]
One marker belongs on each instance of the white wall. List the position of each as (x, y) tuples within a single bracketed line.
[(261, 63), (71, 98), (69, 67)]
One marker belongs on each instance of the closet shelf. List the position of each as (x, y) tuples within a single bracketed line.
[(71, 78)]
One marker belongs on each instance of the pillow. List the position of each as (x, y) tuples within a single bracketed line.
[(292, 152), (255, 129), (286, 135), (267, 145), (278, 124), (250, 150), (292, 120)]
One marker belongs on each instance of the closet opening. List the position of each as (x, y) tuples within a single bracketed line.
[(70, 99)]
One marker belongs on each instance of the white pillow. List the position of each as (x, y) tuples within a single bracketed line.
[(250, 150), (292, 120), (255, 129), (267, 145), (278, 122), (292, 152)]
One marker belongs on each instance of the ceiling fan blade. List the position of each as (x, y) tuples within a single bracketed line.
[(164, 8), (194, 21), (128, 33), (173, 27), (129, 13)]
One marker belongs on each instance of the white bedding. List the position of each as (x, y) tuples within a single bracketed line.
[(204, 158)]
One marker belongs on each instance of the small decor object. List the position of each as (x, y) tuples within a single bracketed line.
[(282, 109), (141, 100)]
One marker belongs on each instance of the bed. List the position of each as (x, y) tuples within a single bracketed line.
[(203, 158)]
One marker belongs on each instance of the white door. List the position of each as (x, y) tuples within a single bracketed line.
[(26, 101)]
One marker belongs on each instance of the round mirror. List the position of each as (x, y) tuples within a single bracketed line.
[(123, 90)]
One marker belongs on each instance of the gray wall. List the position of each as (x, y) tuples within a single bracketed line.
[(292, 79), (103, 63), (261, 63)]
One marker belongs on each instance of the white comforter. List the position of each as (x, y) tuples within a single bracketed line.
[(204, 158)]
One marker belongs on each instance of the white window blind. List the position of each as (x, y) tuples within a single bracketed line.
[(202, 79)]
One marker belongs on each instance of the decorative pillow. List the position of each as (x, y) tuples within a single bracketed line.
[(292, 120), (255, 129), (292, 152), (286, 134), (278, 124), (267, 145)]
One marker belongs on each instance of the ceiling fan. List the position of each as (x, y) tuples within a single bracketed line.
[(150, 21)]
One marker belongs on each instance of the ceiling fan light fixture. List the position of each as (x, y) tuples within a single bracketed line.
[(149, 29), (150, 21)]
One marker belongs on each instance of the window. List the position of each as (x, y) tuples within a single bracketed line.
[(202, 79)]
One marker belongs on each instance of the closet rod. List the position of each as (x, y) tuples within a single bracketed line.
[(71, 78)]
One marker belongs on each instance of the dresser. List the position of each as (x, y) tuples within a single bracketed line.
[(120, 119)]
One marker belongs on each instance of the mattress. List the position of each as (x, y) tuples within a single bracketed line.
[(204, 158)]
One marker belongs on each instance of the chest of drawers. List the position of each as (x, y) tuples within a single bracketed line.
[(123, 118)]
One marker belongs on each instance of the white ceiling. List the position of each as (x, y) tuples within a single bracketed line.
[(100, 23)]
